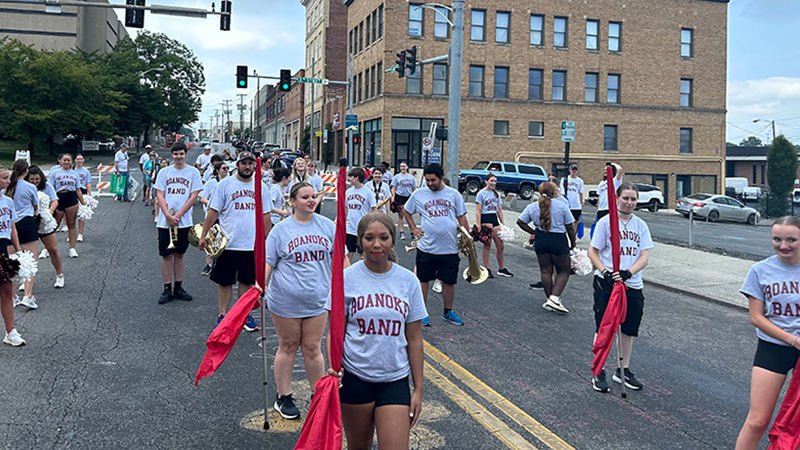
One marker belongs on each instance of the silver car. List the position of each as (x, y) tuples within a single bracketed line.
[(717, 207)]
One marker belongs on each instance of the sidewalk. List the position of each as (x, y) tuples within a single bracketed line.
[(690, 272)]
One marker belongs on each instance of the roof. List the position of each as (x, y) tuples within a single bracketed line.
[(746, 151)]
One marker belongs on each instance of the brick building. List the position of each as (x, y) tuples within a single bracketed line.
[(644, 81), (294, 112)]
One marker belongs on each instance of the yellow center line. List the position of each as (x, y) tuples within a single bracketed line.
[(511, 410)]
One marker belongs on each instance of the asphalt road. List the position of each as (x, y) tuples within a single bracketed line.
[(106, 366)]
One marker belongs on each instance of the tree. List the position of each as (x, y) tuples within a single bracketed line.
[(781, 173), (305, 142), (751, 141)]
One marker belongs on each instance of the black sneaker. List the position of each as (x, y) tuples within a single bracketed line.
[(166, 297), (285, 406), (630, 381), (505, 273), (599, 383), (206, 270), (490, 273), (180, 294), (537, 285)]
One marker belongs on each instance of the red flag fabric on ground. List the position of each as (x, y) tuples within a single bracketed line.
[(323, 427), (618, 302), (785, 432)]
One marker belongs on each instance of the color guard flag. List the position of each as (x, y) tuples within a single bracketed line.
[(785, 432)]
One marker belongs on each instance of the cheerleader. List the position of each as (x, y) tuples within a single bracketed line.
[(48, 204), (382, 343), (403, 184), (26, 201), (220, 171), (85, 184), (66, 183), (8, 239), (315, 180), (489, 214), (379, 188), (299, 248), (773, 311), (281, 180)]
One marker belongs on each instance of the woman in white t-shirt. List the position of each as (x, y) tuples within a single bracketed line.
[(299, 173), (85, 185), (8, 240), (48, 202), (315, 180), (66, 182), (403, 185), (771, 287), (489, 214), (382, 342), (280, 210)]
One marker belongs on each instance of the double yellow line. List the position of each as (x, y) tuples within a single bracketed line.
[(477, 411)]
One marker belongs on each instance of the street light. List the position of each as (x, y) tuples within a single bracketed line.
[(770, 121)]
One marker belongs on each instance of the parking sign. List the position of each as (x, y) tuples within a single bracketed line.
[(567, 131)]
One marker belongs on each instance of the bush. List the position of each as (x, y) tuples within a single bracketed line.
[(773, 205)]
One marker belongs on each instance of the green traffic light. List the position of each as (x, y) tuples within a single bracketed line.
[(241, 82), (285, 86)]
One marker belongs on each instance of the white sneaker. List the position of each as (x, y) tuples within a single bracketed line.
[(62, 228), (73, 253), (44, 254), (16, 300), (80, 238), (554, 304), (13, 339), (59, 281), (22, 286), (29, 302), (437, 287)]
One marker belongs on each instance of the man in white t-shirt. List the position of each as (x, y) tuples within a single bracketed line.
[(233, 203), (359, 202), (121, 168), (203, 160), (574, 192), (602, 193), (177, 189)]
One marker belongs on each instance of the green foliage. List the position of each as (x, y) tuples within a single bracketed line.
[(751, 141), (781, 166), (305, 142), (327, 148)]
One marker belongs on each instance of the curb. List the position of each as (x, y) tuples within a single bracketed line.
[(693, 294)]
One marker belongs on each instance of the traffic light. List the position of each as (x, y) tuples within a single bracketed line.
[(401, 64), (134, 18), (285, 83), (225, 19), (411, 60), (356, 140), (241, 77)]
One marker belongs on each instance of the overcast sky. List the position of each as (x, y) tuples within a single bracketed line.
[(267, 35)]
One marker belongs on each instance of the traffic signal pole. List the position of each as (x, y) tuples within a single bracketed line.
[(350, 101), (454, 107)]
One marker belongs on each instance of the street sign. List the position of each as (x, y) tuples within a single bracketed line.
[(313, 80), (23, 155), (567, 131), (350, 120), (90, 146), (427, 144), (435, 156)]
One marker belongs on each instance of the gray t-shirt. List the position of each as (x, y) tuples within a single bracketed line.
[(384, 192), (278, 200), (300, 255), (359, 202), (235, 201), (377, 308), (560, 216), (178, 186), (404, 183), (26, 197), (84, 177), (777, 285), (489, 201), (8, 216), (439, 212), (316, 181), (634, 237), (63, 180)]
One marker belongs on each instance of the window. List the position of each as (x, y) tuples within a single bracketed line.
[(441, 29), (440, 79), (478, 25), (501, 82), (560, 32), (531, 170), (610, 138), (374, 25), (361, 36), (380, 21), (535, 129), (500, 128), (592, 27), (613, 88), (686, 92), (502, 27), (686, 141), (359, 87), (369, 21), (372, 76), (476, 81), (537, 30), (414, 82), (535, 84), (614, 36), (366, 84), (380, 78), (559, 85), (591, 88), (687, 42), (415, 20), (351, 42)]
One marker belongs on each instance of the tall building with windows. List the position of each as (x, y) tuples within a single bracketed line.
[(644, 81)]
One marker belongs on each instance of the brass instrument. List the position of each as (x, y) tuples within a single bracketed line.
[(216, 239), (474, 273), (412, 246), (383, 203), (173, 232)]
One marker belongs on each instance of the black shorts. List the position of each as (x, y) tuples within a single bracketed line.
[(400, 200), (775, 358), (550, 243), (84, 191), (355, 391), (27, 230), (235, 265), (576, 214), (600, 215), (633, 317), (437, 267), (490, 218), (67, 199), (4, 244), (180, 246), (352, 244)]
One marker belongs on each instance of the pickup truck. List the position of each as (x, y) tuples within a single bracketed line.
[(519, 178)]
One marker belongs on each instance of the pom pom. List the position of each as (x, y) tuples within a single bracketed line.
[(8, 268), (579, 262), (91, 201), (47, 223), (85, 212), (28, 266), (481, 234), (506, 234)]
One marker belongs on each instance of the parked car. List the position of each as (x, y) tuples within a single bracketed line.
[(522, 179), (650, 197), (717, 207)]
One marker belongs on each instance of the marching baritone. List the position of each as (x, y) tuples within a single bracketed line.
[(380, 189)]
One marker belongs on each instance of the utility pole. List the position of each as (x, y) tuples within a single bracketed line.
[(226, 113), (241, 113), (350, 131), (454, 108), (312, 134), (216, 120), (258, 105)]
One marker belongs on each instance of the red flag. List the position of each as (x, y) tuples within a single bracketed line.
[(260, 247), (323, 427), (785, 432), (618, 302)]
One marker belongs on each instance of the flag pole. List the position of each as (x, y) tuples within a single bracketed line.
[(614, 215), (266, 363)]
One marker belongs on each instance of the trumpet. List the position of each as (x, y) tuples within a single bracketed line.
[(173, 232), (216, 239), (412, 246)]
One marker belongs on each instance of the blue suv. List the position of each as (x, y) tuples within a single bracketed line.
[(522, 179)]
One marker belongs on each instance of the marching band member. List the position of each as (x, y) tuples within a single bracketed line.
[(299, 252), (442, 210), (8, 239), (380, 189), (299, 173), (403, 185), (37, 178), (220, 172), (233, 203), (177, 189), (85, 185), (66, 182), (489, 214), (26, 201), (382, 342), (209, 172), (360, 201), (315, 180), (281, 179), (602, 194)]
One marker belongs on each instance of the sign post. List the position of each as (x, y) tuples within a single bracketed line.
[(568, 136)]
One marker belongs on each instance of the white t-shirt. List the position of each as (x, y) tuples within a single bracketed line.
[(384, 192), (489, 201), (602, 193), (51, 192), (208, 190), (144, 158), (634, 237), (300, 255), (178, 186), (84, 177), (63, 180), (560, 216), (122, 160), (377, 308), (387, 178), (359, 202), (26, 197), (439, 212), (575, 189), (777, 285), (235, 201), (278, 200), (8, 216), (208, 173), (203, 160), (404, 184), (316, 181)]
